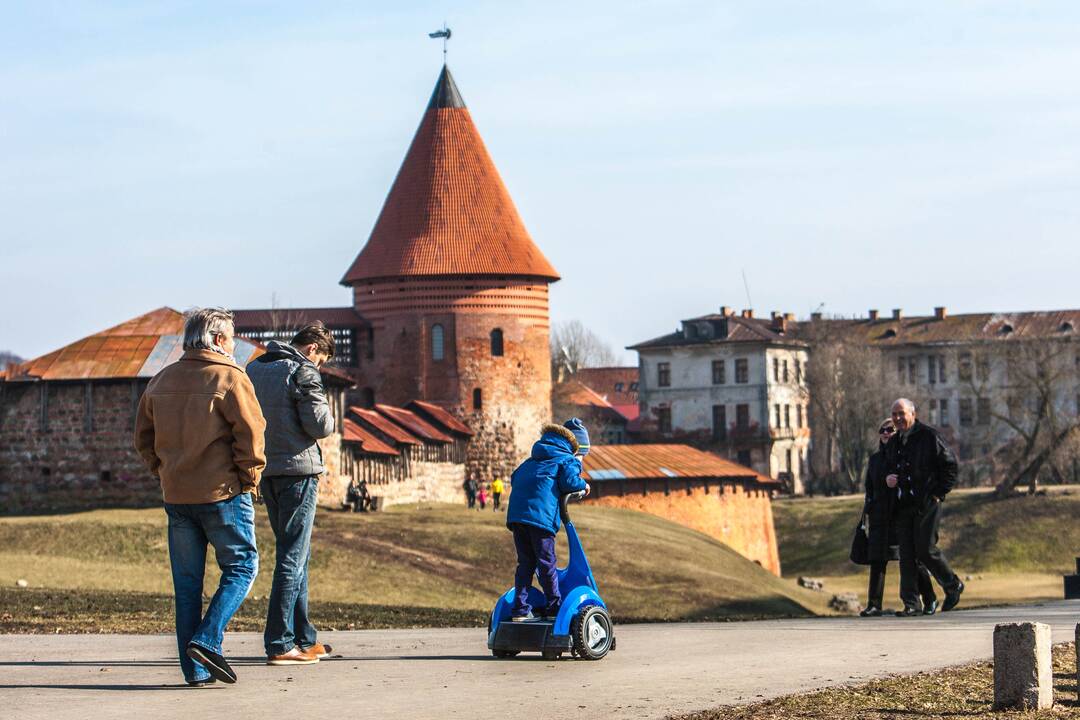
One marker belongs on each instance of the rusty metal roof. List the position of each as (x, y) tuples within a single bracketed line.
[(353, 433), (440, 415), (296, 317), (384, 425), (414, 423), (611, 462), (448, 212)]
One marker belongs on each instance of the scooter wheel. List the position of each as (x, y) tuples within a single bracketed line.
[(592, 633), (551, 654), (504, 653)]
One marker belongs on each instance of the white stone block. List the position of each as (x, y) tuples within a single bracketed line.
[(1023, 672)]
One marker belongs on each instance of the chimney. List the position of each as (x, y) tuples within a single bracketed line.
[(790, 317), (773, 315), (815, 316), (940, 313), (873, 315), (726, 310), (779, 323), (897, 314), (748, 313)]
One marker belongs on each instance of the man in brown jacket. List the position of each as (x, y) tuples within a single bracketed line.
[(200, 430)]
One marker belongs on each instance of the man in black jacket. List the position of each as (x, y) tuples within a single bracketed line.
[(922, 470)]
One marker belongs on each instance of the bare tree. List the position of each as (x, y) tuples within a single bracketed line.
[(848, 394), (8, 358), (1037, 428), (574, 346)]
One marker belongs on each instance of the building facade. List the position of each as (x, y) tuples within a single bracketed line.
[(734, 384)]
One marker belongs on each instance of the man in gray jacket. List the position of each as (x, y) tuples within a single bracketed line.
[(290, 391)]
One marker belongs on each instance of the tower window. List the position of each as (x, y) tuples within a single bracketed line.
[(437, 349), (496, 343), (477, 399)]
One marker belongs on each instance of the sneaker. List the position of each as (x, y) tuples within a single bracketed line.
[(549, 614), (952, 598), (205, 681), (319, 650), (908, 611), (214, 663), (871, 611), (295, 656), (929, 608), (528, 617)]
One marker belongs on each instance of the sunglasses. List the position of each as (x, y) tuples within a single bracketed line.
[(886, 431)]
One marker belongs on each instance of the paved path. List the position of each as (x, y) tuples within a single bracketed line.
[(656, 671)]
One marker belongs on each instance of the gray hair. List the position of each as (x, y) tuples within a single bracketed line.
[(202, 325), (906, 403)]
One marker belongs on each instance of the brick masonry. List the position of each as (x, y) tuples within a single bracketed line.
[(737, 516)]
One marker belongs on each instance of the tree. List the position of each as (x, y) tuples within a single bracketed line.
[(1038, 428), (8, 358), (848, 395), (574, 346)]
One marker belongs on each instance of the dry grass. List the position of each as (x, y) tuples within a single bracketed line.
[(960, 692), (431, 556)]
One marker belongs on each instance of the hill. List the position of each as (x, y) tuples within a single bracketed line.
[(425, 558)]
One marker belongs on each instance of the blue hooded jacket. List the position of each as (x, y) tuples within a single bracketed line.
[(536, 485)]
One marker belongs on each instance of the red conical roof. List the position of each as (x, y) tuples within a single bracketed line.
[(448, 212)]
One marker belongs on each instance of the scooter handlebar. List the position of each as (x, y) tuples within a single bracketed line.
[(565, 499)]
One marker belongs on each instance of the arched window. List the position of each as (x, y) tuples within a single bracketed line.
[(437, 352), (477, 399), (496, 343), (367, 398)]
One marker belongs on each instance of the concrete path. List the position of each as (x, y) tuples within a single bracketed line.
[(656, 671)]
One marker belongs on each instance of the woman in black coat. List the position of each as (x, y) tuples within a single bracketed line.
[(881, 539)]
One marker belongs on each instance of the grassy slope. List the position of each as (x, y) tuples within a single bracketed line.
[(1017, 549), (434, 556)]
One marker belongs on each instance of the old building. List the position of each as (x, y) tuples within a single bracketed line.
[(700, 490), (450, 294), (605, 398), (734, 384)]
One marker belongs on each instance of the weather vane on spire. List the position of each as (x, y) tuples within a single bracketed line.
[(445, 35)]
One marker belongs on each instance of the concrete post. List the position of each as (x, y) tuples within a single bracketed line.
[(1078, 662), (1023, 672)]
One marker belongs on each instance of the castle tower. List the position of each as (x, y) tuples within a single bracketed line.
[(456, 292)]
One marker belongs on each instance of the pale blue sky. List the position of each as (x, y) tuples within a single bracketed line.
[(857, 154)]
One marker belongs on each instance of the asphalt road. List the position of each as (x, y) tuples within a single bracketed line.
[(657, 670)]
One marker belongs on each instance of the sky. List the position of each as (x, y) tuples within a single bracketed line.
[(840, 155)]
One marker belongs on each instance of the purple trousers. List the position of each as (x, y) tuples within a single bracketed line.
[(536, 556)]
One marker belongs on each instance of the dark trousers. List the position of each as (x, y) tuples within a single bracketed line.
[(495, 500), (536, 556), (290, 503), (875, 593), (917, 532)]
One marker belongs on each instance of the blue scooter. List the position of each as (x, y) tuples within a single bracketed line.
[(583, 626)]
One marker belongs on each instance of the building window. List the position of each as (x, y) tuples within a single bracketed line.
[(982, 368), (798, 416), (633, 387), (777, 423), (798, 371), (618, 387), (663, 420), (496, 343), (787, 418), (477, 399), (965, 448), (901, 363), (742, 416), (963, 364), (966, 412), (785, 373), (941, 368), (912, 370), (982, 411), (437, 349), (931, 370), (744, 458), (719, 372), (776, 369), (663, 374), (933, 412), (787, 459), (944, 407), (742, 371), (719, 422)]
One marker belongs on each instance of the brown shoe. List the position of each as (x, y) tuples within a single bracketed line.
[(296, 656), (319, 650)]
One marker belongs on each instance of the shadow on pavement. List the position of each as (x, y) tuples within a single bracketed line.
[(97, 687)]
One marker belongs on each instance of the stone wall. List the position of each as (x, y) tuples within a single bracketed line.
[(431, 482), (76, 454), (740, 517)]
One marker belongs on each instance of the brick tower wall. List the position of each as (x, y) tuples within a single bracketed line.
[(515, 387)]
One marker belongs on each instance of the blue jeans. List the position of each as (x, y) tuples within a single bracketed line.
[(535, 556), (290, 503), (229, 526)]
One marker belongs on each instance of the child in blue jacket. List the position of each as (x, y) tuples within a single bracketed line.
[(554, 469)]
